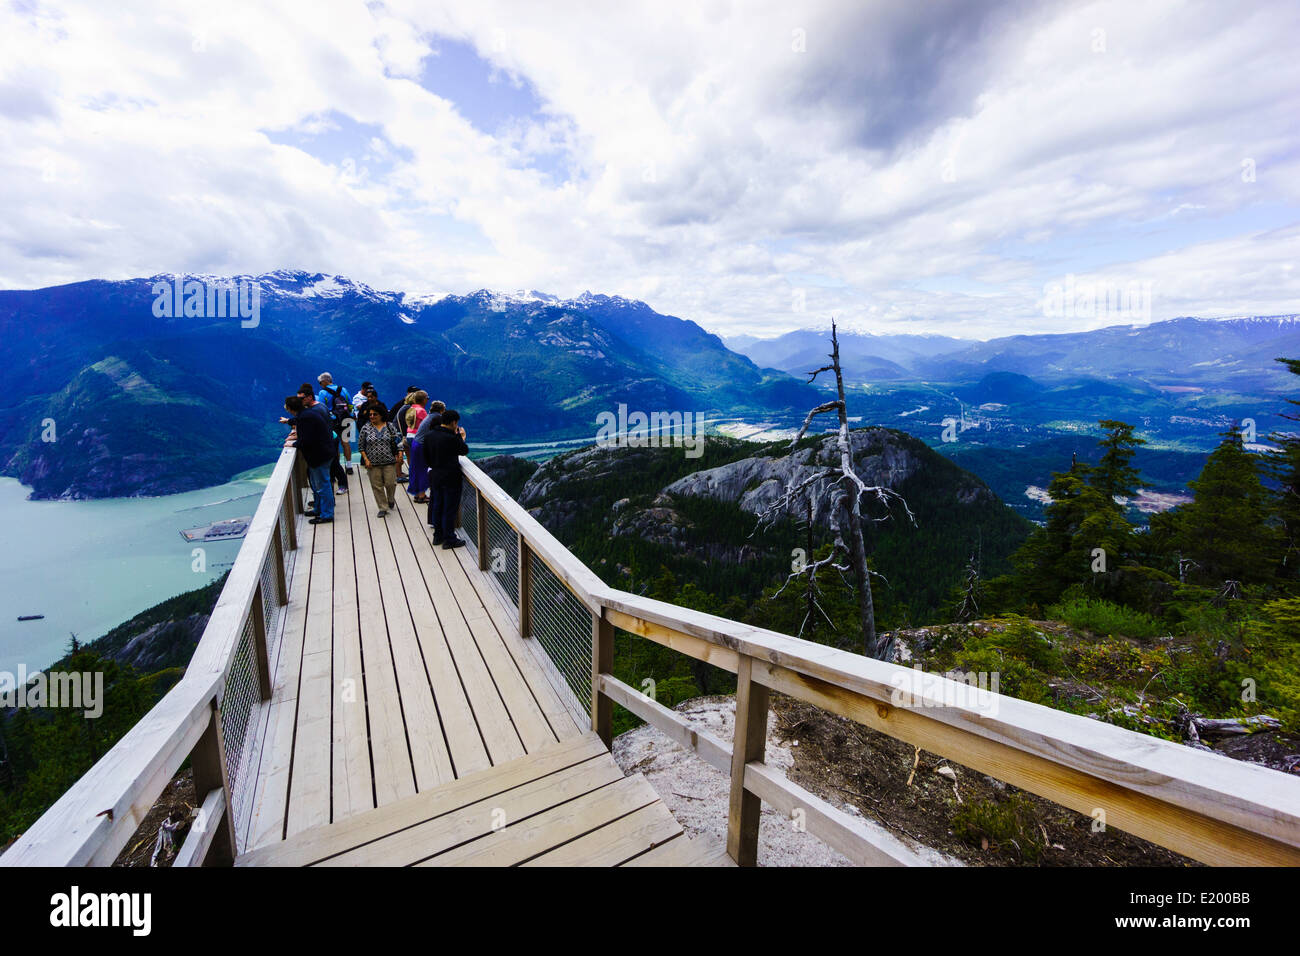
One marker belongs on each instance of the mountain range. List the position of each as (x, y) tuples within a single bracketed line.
[(118, 400), (123, 388), (1182, 352)]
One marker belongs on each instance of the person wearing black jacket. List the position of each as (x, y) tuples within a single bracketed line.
[(442, 450), (315, 440), (311, 404)]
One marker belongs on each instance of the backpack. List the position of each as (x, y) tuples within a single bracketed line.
[(340, 408)]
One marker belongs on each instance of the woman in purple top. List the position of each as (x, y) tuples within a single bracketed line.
[(418, 483)]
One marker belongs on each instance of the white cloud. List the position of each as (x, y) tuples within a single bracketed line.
[(916, 165)]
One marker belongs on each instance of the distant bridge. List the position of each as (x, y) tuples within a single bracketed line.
[(360, 697)]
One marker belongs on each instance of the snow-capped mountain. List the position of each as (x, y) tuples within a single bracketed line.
[(101, 357)]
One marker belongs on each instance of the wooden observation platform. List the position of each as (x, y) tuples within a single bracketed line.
[(360, 697)]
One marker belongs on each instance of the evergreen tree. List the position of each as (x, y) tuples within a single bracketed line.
[(1115, 475), (1284, 468), (1085, 537), (1228, 527)]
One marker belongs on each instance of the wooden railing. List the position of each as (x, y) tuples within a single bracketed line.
[(1203, 805), (208, 717), (1200, 804)]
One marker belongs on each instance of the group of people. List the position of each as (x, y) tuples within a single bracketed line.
[(424, 436)]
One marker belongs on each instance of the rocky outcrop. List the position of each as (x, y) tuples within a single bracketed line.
[(509, 472), (658, 525), (166, 644), (567, 487), (880, 457), (590, 464)]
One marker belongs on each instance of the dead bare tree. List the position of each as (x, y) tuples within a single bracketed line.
[(812, 590), (850, 489), (969, 608)]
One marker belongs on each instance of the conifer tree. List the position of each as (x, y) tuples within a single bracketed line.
[(1085, 535), (1284, 468), (1228, 528), (1115, 475)]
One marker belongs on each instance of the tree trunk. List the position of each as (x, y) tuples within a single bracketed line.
[(853, 505)]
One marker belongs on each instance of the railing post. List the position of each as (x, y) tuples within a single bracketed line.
[(298, 481), (525, 588), (748, 745), (208, 761), (481, 511), (291, 516), (262, 657), (602, 662), (281, 584)]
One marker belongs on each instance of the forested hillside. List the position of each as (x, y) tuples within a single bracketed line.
[(44, 751), (651, 521)]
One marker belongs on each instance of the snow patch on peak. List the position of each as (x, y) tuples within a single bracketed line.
[(428, 298)]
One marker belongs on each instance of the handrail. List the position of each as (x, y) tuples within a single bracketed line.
[(1201, 804), (94, 819)]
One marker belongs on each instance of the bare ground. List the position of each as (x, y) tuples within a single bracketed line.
[(901, 787), (177, 799), (879, 778)]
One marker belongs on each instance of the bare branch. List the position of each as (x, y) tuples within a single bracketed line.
[(787, 498), (820, 409), (812, 376)]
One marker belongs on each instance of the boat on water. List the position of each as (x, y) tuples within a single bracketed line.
[(31, 617), (226, 530)]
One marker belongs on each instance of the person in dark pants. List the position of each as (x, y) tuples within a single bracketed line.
[(309, 402), (442, 450), (315, 441)]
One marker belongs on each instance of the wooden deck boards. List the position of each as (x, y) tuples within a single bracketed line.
[(567, 804), (398, 672)]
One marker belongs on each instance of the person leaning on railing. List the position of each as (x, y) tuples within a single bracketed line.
[(315, 441), (311, 404), (380, 445), (442, 450)]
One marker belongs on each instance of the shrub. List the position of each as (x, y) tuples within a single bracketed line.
[(1105, 618), (1006, 823), (1018, 636), (1115, 660)]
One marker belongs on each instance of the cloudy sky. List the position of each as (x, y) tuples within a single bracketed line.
[(906, 166)]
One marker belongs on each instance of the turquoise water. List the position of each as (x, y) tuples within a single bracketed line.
[(90, 565)]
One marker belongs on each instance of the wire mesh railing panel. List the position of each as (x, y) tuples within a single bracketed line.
[(238, 706), (503, 555), (469, 515), (270, 603), (561, 625)]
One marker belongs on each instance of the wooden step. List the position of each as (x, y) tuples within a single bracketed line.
[(684, 851), (567, 804)]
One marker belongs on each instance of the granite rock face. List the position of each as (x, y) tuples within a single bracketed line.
[(563, 489), (167, 644), (879, 458)]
